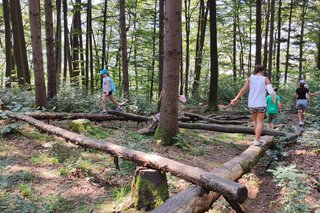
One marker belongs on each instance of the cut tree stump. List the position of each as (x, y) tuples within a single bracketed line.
[(196, 199), (195, 175), (149, 189)]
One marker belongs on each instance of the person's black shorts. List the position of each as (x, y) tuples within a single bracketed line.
[(110, 93)]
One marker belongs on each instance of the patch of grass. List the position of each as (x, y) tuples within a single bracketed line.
[(8, 181), (64, 171), (84, 165), (43, 159), (64, 153), (13, 203), (35, 135), (58, 204), (26, 191), (96, 132), (119, 193)]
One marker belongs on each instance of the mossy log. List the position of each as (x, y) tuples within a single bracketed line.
[(196, 199), (113, 115), (195, 175), (149, 189), (212, 120)]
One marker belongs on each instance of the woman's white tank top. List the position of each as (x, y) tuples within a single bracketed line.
[(257, 91)]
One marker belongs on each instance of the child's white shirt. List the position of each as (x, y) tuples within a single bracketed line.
[(106, 84)]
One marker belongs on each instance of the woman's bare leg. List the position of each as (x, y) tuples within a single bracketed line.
[(259, 125), (104, 102)]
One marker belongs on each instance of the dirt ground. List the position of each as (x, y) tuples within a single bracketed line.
[(44, 173)]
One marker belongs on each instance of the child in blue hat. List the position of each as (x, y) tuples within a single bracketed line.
[(109, 89)]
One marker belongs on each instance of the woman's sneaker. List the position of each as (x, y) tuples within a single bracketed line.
[(301, 123), (256, 143), (118, 109)]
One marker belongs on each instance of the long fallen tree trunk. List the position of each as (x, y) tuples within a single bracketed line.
[(93, 117), (212, 120), (234, 129), (207, 180), (196, 199)]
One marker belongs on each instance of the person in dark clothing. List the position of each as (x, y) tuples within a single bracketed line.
[(300, 100)]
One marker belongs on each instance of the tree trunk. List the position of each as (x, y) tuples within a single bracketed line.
[(123, 34), (168, 126), (258, 32), (195, 175), (161, 48), (234, 40), (304, 8), (202, 23), (271, 40), (187, 15), (211, 120), (67, 53), (153, 49), (88, 41), (40, 87), (51, 71), (19, 43), (104, 34), (214, 72), (278, 43), (8, 34), (195, 199), (288, 44), (75, 35), (58, 43), (250, 40), (90, 32), (265, 51)]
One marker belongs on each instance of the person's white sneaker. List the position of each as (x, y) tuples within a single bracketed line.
[(256, 143), (301, 123)]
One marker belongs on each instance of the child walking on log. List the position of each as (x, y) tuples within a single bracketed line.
[(258, 85), (109, 89)]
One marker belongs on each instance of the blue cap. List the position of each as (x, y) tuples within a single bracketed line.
[(104, 71)]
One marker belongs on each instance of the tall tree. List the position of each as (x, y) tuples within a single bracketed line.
[(104, 34), (58, 42), (123, 30), (271, 38), (153, 49), (288, 43), (258, 32), (51, 71), (214, 71), (161, 47), (19, 44), (234, 40), (265, 51), (168, 125), (278, 42), (187, 14), (202, 23), (35, 27), (8, 35), (75, 42), (67, 53), (250, 39), (304, 9)]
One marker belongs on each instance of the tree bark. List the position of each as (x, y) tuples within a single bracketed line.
[(161, 48), (187, 15), (195, 175), (278, 43), (168, 126), (123, 31), (153, 50), (35, 27), (258, 32), (271, 39), (51, 71), (304, 8), (195, 199), (265, 51), (19, 44), (234, 40), (58, 43), (288, 44), (214, 71), (104, 34), (75, 43), (8, 34)]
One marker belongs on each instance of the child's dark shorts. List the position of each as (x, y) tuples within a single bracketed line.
[(257, 109), (272, 118)]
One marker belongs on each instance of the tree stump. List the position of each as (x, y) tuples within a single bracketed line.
[(149, 189), (79, 125)]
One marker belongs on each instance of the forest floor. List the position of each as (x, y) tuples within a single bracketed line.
[(43, 173)]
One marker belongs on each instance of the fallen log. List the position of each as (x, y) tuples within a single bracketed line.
[(196, 199), (93, 117), (195, 175), (211, 120), (235, 129)]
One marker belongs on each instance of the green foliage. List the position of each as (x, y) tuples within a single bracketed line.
[(43, 159), (58, 204), (119, 193), (294, 188), (13, 203), (26, 191), (10, 128), (139, 104), (16, 98)]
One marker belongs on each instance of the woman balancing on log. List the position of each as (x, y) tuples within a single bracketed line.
[(257, 85)]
